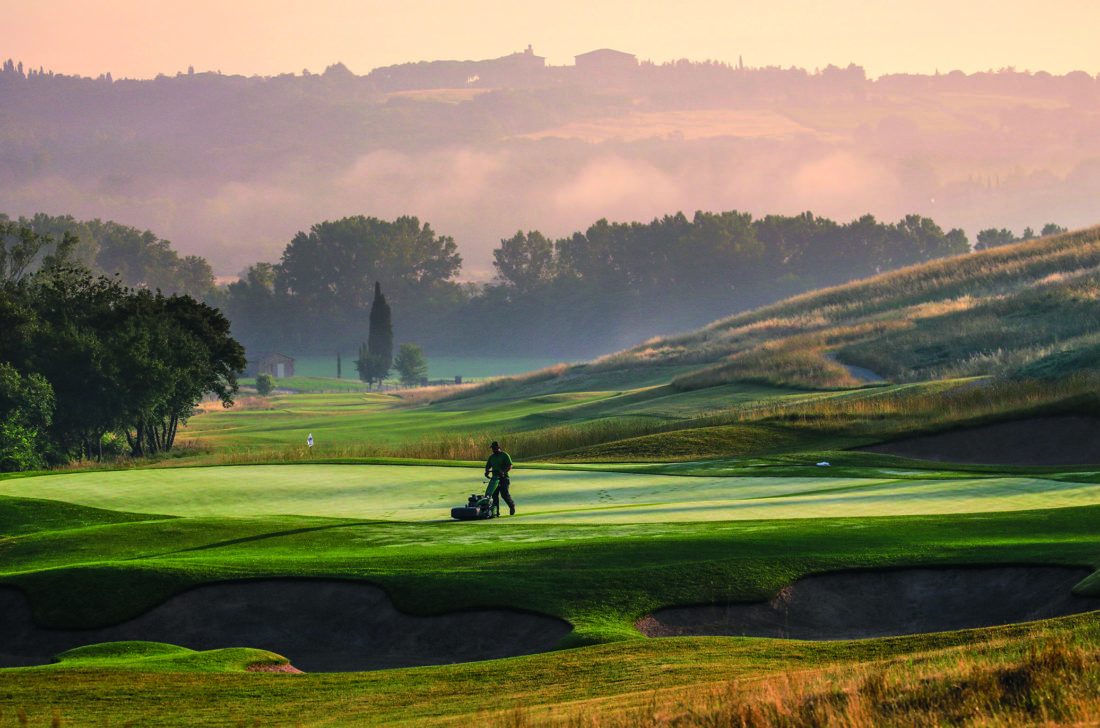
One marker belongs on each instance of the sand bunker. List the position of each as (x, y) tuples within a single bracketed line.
[(859, 605), (1064, 440), (321, 626)]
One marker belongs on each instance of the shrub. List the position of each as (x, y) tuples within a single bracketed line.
[(410, 364), (265, 384)]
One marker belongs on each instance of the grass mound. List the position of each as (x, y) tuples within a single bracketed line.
[(157, 656), (1060, 364)]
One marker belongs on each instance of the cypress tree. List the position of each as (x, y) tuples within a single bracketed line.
[(379, 338)]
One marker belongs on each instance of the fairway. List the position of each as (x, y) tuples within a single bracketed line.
[(424, 493)]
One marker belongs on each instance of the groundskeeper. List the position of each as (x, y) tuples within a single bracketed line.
[(497, 467)]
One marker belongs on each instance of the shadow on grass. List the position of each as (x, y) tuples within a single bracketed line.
[(252, 539)]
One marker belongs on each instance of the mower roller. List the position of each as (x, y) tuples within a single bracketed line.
[(478, 506)]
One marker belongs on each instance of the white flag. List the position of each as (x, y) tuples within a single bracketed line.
[(309, 440)]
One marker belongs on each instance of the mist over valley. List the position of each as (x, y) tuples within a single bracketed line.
[(231, 168)]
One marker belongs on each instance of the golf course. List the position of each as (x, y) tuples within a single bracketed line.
[(733, 526)]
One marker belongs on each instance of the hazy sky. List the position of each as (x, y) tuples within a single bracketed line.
[(141, 38)]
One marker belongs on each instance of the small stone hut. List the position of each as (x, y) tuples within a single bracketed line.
[(275, 364)]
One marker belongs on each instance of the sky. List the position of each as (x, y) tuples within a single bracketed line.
[(142, 38)]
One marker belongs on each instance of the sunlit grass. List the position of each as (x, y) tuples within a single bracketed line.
[(548, 495), (1046, 676)]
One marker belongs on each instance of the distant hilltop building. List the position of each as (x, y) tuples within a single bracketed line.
[(515, 69), (525, 59), (522, 69)]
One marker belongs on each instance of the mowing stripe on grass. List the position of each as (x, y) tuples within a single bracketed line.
[(417, 493)]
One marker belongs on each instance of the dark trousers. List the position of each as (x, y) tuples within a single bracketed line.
[(502, 492)]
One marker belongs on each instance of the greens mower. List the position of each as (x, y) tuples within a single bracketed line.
[(478, 507)]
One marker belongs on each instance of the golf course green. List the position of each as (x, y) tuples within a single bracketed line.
[(422, 493)]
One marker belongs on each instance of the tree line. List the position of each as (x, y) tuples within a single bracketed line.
[(606, 287), (583, 294), (996, 237), (90, 367)]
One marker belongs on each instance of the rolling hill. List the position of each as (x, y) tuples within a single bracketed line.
[(1005, 333)]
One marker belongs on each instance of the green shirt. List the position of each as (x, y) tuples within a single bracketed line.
[(498, 463)]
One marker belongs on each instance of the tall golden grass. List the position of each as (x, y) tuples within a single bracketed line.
[(428, 395), (780, 363), (797, 360), (1044, 678), (497, 384)]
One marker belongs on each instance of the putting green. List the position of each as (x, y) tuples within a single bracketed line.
[(423, 493)]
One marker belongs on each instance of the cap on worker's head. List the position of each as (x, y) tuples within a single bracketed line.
[(494, 444)]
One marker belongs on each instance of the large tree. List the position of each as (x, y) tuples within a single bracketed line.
[(916, 239), (72, 337), (994, 238), (116, 360), (524, 261), (197, 357), (331, 268)]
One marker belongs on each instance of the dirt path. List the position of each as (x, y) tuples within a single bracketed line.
[(861, 373)]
